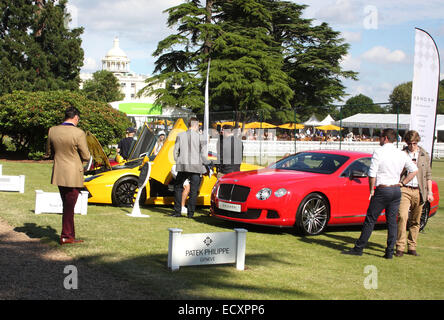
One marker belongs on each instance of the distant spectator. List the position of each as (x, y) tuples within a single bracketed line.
[(125, 145)]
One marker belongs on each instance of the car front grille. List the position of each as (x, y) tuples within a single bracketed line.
[(251, 214), (233, 192)]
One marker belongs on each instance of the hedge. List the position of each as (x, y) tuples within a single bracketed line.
[(26, 117)]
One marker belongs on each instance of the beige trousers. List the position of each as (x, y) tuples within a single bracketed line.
[(410, 210)]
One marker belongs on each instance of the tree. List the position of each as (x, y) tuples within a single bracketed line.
[(401, 97), (312, 56), (104, 87), (247, 65), (360, 104), (264, 58), (37, 51), (26, 117)]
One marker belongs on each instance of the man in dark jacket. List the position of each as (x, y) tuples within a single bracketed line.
[(229, 151), (125, 145)]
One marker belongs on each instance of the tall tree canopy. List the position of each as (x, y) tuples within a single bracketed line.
[(401, 97), (37, 51), (360, 104), (265, 59), (104, 87)]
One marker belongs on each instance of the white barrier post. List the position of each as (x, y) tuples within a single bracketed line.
[(12, 183), (241, 240), (51, 202), (174, 241)]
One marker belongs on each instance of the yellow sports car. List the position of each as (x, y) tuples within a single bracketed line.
[(117, 184)]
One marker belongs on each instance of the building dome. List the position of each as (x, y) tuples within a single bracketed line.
[(116, 59), (115, 51)]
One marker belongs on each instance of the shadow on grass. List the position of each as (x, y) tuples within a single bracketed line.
[(149, 276), (32, 230)]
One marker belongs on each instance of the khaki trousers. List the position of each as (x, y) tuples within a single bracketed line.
[(410, 210)]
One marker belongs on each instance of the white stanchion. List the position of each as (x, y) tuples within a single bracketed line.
[(143, 179)]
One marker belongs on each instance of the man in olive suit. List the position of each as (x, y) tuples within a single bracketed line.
[(67, 144)]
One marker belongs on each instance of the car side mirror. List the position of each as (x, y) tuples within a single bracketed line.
[(358, 174)]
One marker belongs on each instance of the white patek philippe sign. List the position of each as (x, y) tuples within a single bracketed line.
[(425, 88), (51, 202), (206, 248)]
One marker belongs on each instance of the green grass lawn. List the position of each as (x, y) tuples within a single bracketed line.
[(280, 264)]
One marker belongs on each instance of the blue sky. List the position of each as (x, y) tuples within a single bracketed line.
[(380, 34)]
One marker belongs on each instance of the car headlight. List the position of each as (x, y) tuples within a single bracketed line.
[(280, 192), (263, 194)]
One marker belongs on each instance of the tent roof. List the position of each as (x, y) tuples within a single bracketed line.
[(328, 120), (313, 121), (382, 121)]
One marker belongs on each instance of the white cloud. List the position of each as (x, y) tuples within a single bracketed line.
[(342, 12), (139, 20), (351, 36), (380, 54), (89, 65), (351, 13), (350, 63)]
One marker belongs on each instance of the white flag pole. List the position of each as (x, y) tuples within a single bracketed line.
[(207, 110)]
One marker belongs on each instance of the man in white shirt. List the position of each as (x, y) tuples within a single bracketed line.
[(386, 167)]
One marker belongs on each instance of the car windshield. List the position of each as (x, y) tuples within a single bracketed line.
[(315, 162)]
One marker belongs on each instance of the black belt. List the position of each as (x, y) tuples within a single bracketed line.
[(414, 188), (387, 186)]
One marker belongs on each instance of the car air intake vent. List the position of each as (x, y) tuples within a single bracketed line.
[(233, 192)]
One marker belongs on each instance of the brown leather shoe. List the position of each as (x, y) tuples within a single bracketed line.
[(68, 240), (399, 253), (413, 253)]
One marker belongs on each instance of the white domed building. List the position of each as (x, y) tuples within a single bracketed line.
[(140, 109)]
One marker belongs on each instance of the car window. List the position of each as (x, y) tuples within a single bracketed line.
[(360, 165), (311, 162), (145, 144)]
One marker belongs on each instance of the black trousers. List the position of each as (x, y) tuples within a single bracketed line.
[(384, 198), (194, 191)]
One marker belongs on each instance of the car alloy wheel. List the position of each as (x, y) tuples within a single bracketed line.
[(123, 191), (313, 214)]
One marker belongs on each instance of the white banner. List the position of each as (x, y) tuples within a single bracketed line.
[(425, 88)]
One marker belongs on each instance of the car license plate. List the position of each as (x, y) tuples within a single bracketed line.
[(229, 206)]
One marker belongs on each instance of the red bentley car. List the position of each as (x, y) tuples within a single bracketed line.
[(309, 190)]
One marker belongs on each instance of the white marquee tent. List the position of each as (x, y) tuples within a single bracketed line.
[(313, 121), (328, 120), (381, 121)]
